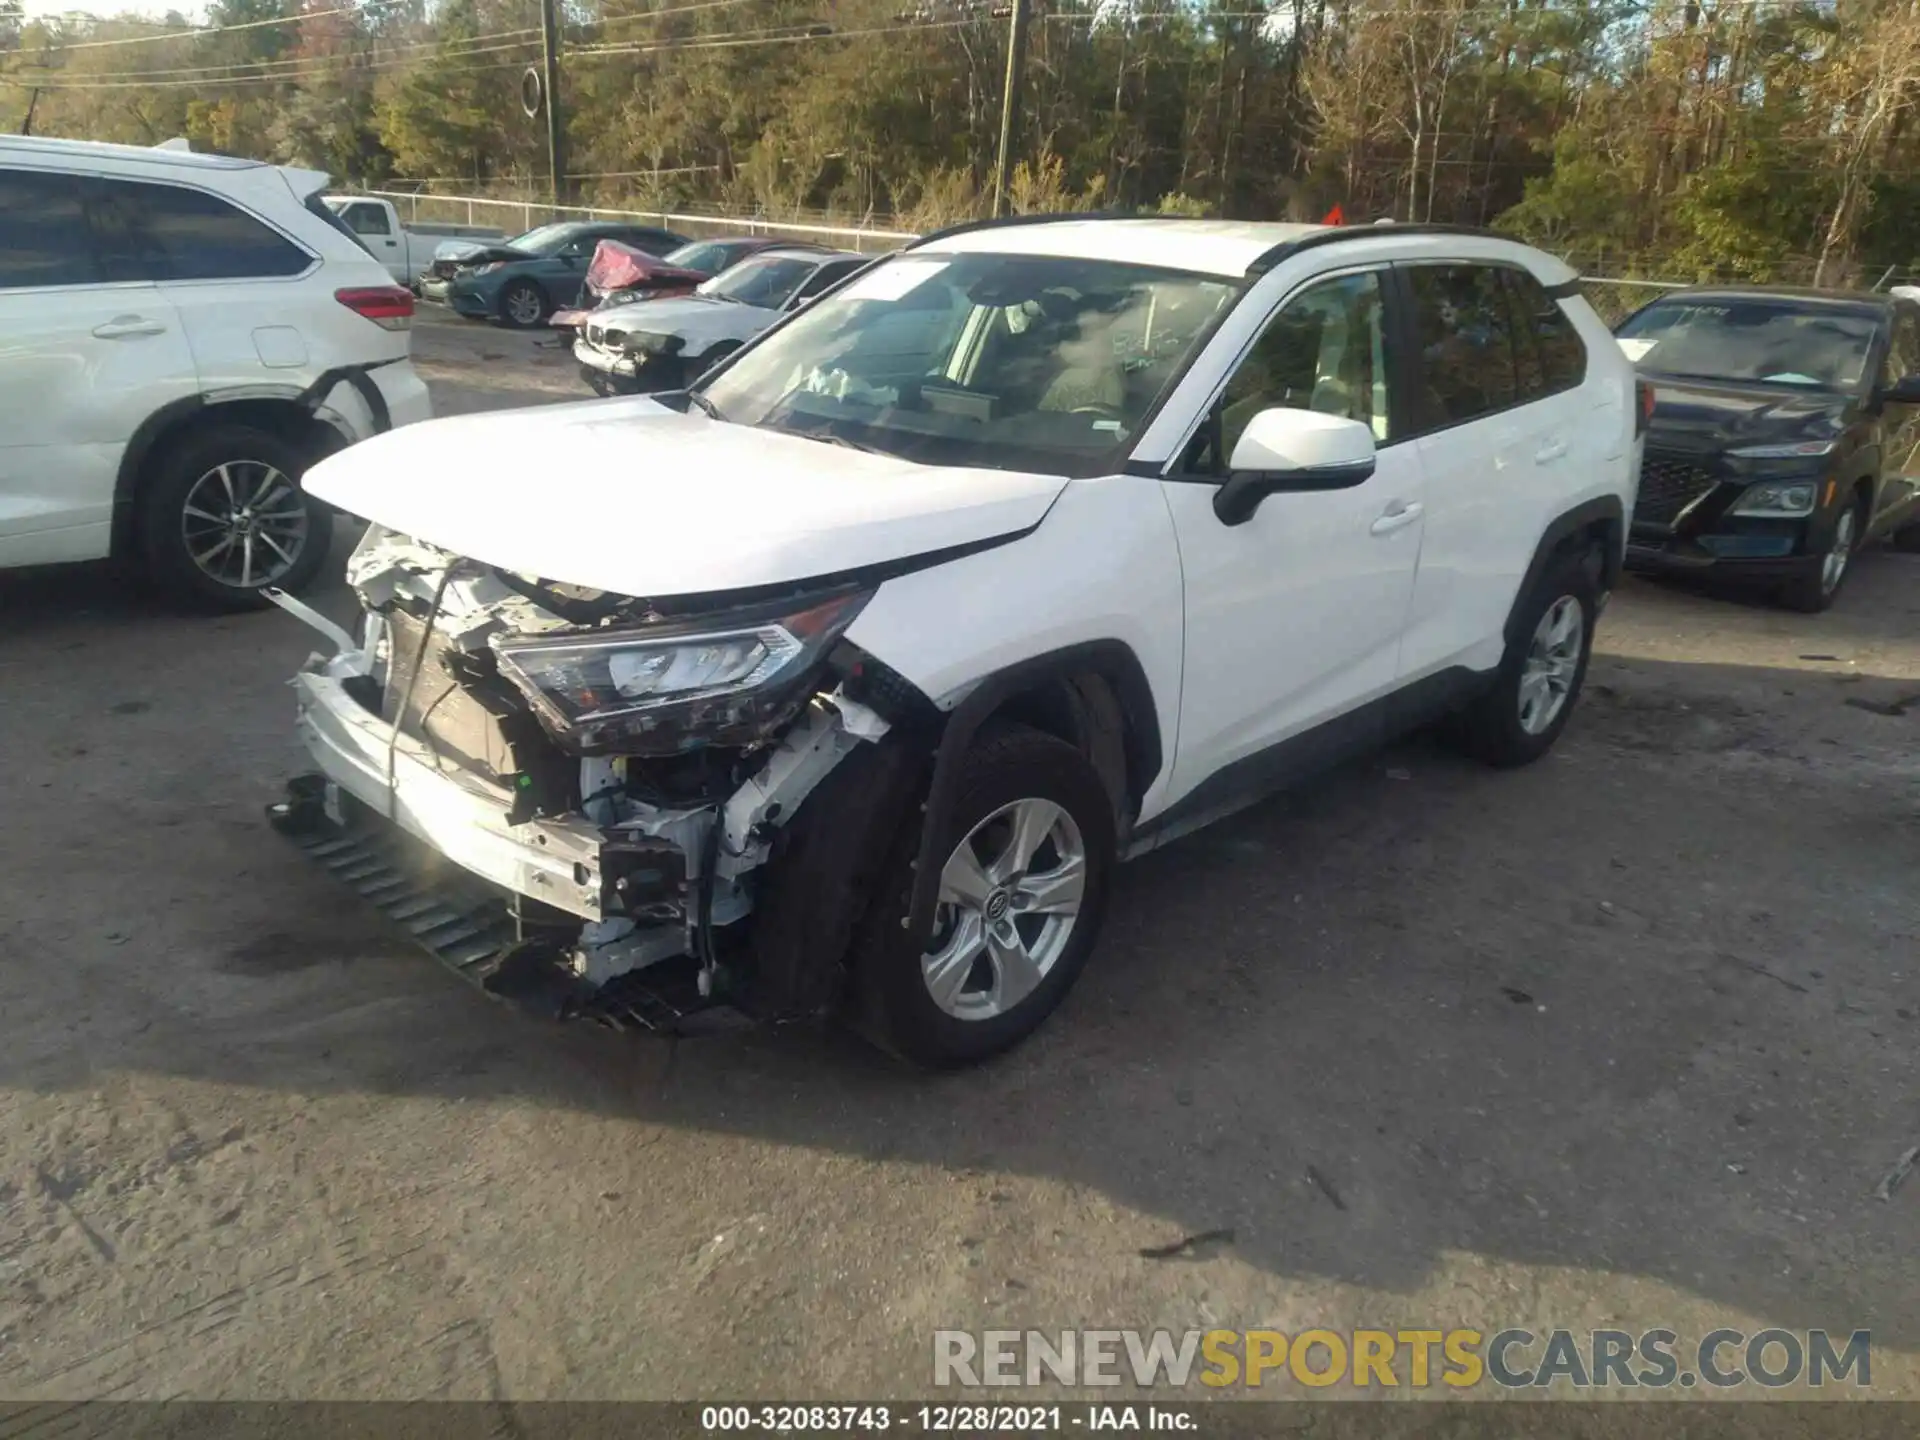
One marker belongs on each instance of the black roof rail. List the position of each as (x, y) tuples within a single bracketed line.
[(1334, 234), (967, 227)]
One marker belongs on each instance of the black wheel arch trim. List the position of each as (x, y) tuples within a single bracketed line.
[(1112, 659), (312, 399), (1605, 510)]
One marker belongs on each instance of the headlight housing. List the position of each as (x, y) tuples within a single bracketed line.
[(640, 342), (661, 689), (1779, 498)]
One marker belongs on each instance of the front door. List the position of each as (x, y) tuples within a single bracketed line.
[(1294, 618), (1898, 498)]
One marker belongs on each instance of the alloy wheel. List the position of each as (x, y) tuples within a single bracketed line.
[(1833, 566), (524, 305), (244, 524), (1553, 660), (1010, 897)]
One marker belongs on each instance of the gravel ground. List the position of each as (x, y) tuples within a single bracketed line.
[(1626, 1038)]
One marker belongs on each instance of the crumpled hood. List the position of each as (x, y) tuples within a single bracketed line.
[(1708, 416), (477, 252), (698, 320), (631, 497)]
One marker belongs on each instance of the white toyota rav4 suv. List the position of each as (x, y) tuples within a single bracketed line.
[(845, 677), (181, 335)]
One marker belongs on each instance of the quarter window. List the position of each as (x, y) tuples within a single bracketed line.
[(191, 235), (1468, 350), (1559, 355), (44, 239), (1325, 350)]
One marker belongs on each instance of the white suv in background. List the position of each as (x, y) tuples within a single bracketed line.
[(846, 676), (181, 336)]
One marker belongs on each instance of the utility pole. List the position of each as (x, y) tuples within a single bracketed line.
[(556, 128), (1010, 103)]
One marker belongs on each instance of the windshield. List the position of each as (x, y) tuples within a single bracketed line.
[(1020, 362), (1752, 339), (769, 283), (542, 239)]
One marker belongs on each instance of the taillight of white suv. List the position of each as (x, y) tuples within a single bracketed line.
[(388, 306)]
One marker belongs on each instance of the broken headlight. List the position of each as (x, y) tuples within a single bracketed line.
[(644, 343), (661, 689)]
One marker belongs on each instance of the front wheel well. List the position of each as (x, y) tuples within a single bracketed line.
[(1103, 715), (168, 428)]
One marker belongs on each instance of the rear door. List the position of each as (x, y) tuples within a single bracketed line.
[(236, 281), (88, 351), (1499, 430)]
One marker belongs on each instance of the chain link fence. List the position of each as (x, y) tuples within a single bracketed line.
[(1614, 300), (515, 216)]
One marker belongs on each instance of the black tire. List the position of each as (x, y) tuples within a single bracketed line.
[(1010, 764), (1811, 591), (164, 527), (534, 298), (1907, 539), (1492, 728)]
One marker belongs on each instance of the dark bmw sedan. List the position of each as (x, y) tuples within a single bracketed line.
[(1783, 434)]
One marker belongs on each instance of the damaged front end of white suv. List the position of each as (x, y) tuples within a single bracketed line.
[(623, 769)]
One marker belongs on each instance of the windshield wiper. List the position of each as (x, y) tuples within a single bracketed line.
[(832, 438), (706, 406)]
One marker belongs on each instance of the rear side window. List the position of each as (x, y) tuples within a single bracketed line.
[(1554, 356), (1468, 354), (191, 235), (1903, 351), (44, 238), (826, 276)]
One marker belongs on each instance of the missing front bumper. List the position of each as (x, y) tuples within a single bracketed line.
[(475, 929)]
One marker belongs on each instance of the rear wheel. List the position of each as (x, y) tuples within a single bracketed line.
[(223, 518), (523, 305), (1520, 716), (1818, 584), (1026, 860), (1907, 540)]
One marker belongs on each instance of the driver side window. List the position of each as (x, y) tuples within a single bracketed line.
[(1324, 350)]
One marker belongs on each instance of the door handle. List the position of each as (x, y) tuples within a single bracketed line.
[(1549, 452), (1396, 517), (128, 327)]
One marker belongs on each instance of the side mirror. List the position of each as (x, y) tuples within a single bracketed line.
[(1904, 391), (1284, 450)]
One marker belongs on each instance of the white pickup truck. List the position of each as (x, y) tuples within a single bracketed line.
[(406, 250)]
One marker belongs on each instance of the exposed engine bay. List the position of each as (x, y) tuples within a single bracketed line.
[(623, 767)]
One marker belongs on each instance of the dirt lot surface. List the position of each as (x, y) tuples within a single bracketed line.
[(1626, 1038)]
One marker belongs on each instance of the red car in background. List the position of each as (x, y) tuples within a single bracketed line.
[(621, 274)]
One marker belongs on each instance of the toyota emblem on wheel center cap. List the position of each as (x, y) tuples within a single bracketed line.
[(996, 906)]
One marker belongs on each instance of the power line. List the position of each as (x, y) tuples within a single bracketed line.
[(468, 45), (226, 29)]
